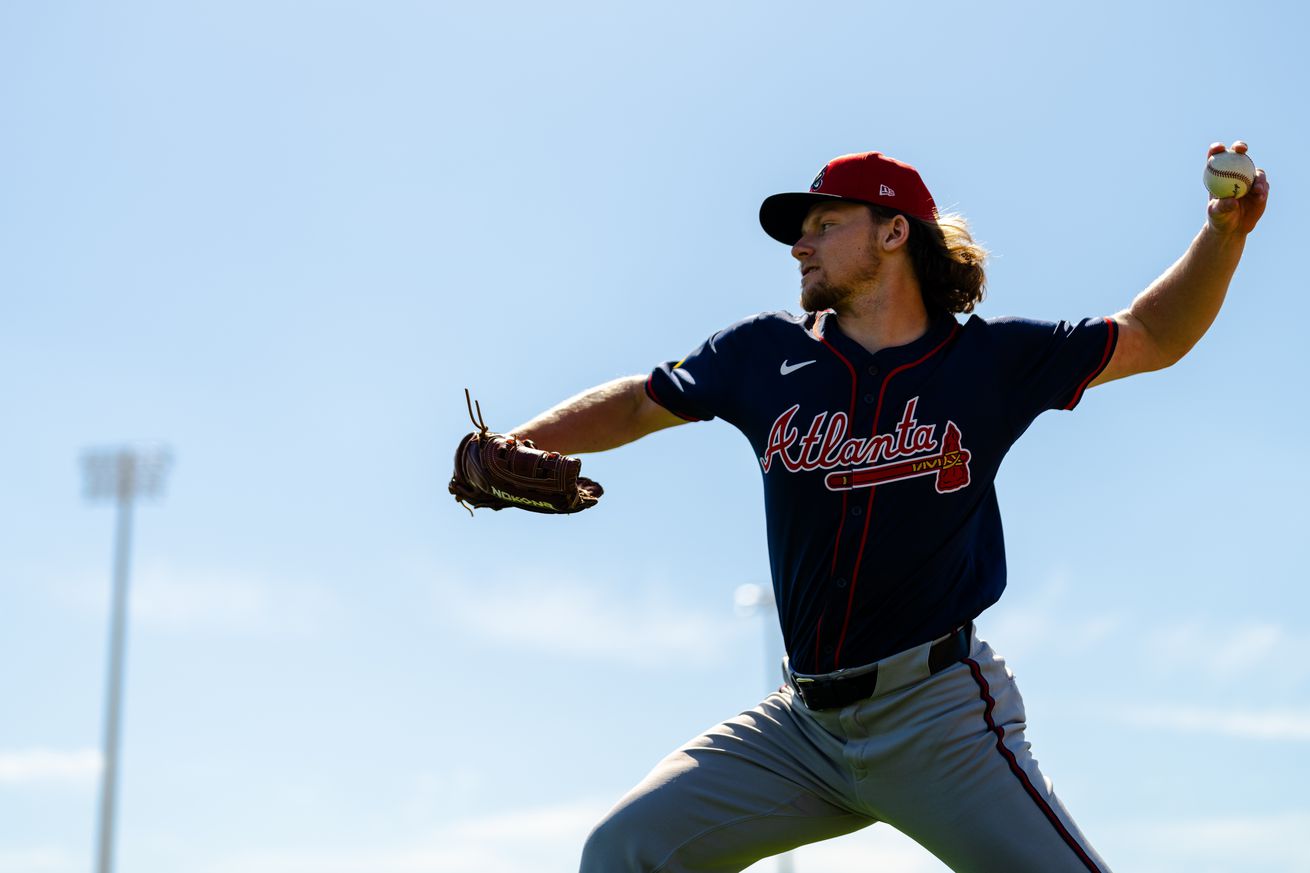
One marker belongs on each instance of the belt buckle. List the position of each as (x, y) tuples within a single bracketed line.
[(800, 683), (834, 692)]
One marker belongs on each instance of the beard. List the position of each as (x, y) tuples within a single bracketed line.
[(837, 296), (825, 295)]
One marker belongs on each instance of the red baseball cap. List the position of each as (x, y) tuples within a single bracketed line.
[(869, 177)]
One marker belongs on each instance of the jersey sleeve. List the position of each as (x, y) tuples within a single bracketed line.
[(1048, 365), (702, 385)]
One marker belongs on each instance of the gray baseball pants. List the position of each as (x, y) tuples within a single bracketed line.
[(941, 758)]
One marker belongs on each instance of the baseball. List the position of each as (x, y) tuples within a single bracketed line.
[(1229, 174)]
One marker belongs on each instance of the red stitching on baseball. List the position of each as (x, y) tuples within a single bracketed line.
[(1231, 175)]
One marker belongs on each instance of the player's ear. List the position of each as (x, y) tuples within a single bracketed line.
[(894, 232)]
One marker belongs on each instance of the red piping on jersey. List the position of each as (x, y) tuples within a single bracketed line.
[(868, 509), (989, 704), (818, 630), (848, 364), (841, 521), (1111, 339), (650, 392), (850, 367)]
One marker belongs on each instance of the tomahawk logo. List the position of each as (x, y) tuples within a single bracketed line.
[(910, 450)]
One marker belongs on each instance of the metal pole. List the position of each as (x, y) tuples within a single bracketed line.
[(117, 655), (120, 473)]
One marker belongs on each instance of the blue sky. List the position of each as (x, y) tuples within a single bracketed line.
[(283, 237)]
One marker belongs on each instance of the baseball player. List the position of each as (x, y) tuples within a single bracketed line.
[(879, 420)]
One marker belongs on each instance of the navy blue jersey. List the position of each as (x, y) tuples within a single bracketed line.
[(881, 513)]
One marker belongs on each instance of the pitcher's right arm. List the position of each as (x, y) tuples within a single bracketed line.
[(600, 418)]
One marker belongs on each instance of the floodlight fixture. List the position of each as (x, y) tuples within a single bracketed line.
[(125, 472)]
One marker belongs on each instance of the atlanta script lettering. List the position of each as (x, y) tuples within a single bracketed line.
[(825, 446)]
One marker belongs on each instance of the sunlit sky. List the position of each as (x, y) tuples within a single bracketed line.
[(282, 238)]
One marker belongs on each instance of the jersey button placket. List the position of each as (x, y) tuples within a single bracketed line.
[(873, 370), (861, 425)]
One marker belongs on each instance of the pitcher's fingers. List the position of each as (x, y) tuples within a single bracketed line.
[(1260, 187)]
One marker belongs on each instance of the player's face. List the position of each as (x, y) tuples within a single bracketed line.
[(837, 255)]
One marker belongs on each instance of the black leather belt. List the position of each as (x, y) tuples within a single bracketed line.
[(839, 691)]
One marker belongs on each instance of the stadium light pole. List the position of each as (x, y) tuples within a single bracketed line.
[(120, 474), (751, 599)]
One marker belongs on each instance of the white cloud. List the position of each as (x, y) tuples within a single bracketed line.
[(1251, 646), (1275, 724), (41, 860), (570, 821), (188, 600), (49, 767), (1051, 621), (1231, 651), (1219, 844), (549, 840), (573, 619), (1047, 622), (543, 839), (876, 848)]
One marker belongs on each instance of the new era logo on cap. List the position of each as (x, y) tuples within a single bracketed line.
[(867, 177)]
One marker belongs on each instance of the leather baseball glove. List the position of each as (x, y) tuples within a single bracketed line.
[(495, 471)]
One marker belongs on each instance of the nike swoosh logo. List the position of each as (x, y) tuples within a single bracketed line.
[(792, 368)]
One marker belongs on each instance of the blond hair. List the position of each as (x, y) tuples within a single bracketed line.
[(947, 262)]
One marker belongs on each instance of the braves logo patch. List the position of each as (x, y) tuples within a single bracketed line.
[(909, 451), (818, 180)]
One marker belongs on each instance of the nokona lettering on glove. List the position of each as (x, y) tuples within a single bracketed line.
[(503, 495)]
